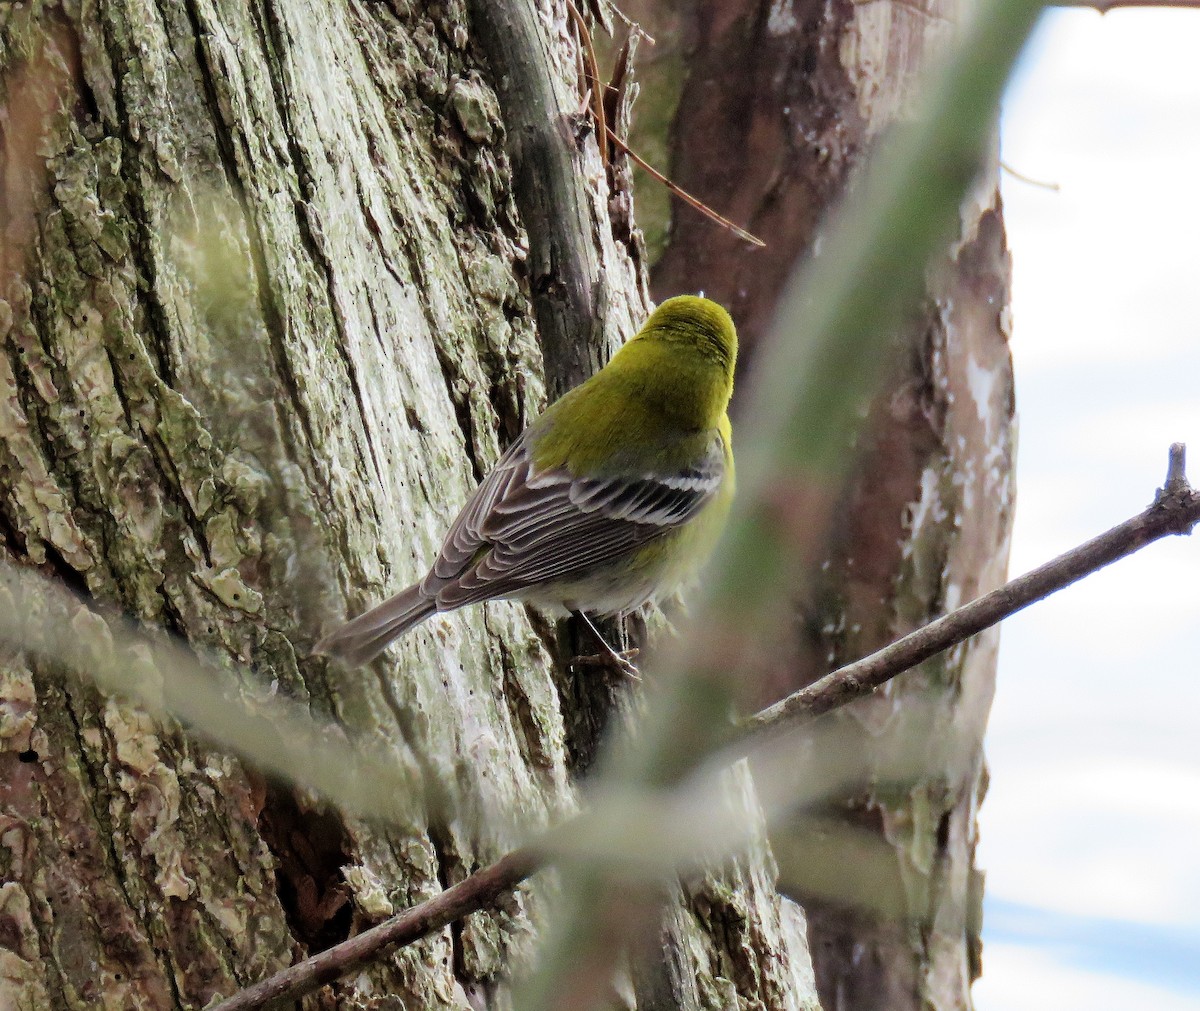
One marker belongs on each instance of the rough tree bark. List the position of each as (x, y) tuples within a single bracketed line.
[(773, 107), (268, 312)]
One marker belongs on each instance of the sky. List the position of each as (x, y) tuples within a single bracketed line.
[(1090, 834)]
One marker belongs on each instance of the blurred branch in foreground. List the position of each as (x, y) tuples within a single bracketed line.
[(1175, 510), (833, 339), (229, 708)]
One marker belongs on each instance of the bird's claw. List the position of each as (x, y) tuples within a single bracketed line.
[(610, 659)]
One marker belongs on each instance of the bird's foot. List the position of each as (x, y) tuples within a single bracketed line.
[(610, 659)]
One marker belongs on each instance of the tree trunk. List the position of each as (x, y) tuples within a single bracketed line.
[(270, 280), (773, 109)]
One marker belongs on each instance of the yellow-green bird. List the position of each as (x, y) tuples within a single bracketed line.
[(611, 498)]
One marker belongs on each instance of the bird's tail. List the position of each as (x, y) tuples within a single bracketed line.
[(364, 638)]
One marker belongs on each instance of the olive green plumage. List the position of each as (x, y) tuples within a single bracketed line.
[(611, 498)]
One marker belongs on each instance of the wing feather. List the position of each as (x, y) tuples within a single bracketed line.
[(523, 527)]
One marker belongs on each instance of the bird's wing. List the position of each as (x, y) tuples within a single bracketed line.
[(523, 527)]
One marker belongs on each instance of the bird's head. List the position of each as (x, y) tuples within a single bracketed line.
[(697, 323)]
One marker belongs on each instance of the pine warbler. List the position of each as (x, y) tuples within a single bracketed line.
[(612, 497)]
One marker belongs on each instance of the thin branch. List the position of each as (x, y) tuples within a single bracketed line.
[(1177, 482), (470, 895), (591, 71), (1175, 510), (1104, 6), (1029, 180), (632, 25), (605, 133), (684, 195)]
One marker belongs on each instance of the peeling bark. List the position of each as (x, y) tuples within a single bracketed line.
[(267, 311), (926, 522)]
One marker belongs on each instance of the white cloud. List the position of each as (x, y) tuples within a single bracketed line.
[(1103, 108), (1018, 978), (1109, 837)]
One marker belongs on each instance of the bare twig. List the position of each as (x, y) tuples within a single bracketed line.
[(591, 72), (1104, 6), (605, 133), (1177, 482), (684, 195), (471, 894), (1029, 180), (632, 25), (1175, 510)]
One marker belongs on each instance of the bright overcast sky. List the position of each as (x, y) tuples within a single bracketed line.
[(1091, 828)]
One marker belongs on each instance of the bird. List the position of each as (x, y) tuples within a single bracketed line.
[(613, 497)]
